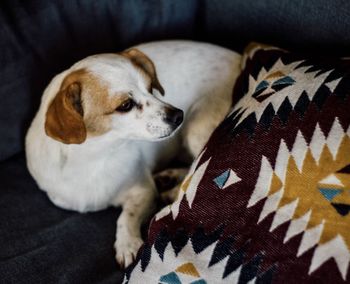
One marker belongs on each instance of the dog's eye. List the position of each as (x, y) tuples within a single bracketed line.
[(126, 106)]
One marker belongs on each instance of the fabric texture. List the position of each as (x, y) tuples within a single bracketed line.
[(268, 199)]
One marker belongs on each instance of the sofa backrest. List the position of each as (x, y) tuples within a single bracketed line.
[(40, 38)]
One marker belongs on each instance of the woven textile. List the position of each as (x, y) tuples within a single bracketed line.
[(268, 199)]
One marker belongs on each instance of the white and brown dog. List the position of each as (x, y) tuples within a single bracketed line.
[(100, 132)]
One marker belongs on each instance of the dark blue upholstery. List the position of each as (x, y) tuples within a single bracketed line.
[(40, 243)]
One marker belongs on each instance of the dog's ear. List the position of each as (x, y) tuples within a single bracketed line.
[(142, 61), (64, 117)]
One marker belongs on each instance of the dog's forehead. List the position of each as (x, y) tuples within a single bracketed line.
[(114, 71)]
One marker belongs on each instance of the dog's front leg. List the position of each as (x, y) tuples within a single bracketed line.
[(168, 183), (138, 204)]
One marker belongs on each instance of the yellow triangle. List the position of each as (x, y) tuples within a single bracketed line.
[(276, 184), (275, 75), (186, 183), (188, 268)]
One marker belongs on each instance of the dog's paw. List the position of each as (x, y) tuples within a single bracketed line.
[(126, 250), (169, 178)]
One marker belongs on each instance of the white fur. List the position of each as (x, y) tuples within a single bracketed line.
[(116, 168)]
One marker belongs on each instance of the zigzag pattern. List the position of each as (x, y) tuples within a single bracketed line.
[(188, 188), (283, 100), (271, 186), (183, 263)]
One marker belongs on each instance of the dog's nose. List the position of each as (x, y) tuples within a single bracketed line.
[(174, 116)]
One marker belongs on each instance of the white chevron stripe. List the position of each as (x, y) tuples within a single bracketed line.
[(335, 248), (282, 161), (263, 183), (284, 214), (317, 143), (175, 207), (271, 204), (192, 188), (234, 276), (310, 238), (297, 226), (335, 137), (333, 84), (162, 213), (195, 180), (299, 150)]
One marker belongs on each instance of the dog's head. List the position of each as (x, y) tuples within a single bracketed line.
[(111, 93)]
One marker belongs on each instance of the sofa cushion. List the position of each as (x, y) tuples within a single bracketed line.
[(40, 243), (268, 199)]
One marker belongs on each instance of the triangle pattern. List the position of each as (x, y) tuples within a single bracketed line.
[(188, 269), (329, 194), (274, 75), (297, 226), (332, 180), (170, 278), (310, 238), (317, 143), (334, 138), (227, 178), (233, 178), (284, 214), (260, 98), (345, 170), (221, 179), (276, 184), (333, 84), (250, 269), (287, 80), (336, 249), (186, 183), (200, 281), (342, 209)]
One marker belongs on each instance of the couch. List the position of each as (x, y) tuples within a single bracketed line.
[(40, 243)]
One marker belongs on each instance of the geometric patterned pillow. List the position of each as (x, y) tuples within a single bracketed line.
[(268, 199)]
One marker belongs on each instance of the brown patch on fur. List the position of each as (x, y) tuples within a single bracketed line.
[(145, 65), (81, 108), (64, 117)]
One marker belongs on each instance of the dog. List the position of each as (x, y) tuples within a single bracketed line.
[(107, 123)]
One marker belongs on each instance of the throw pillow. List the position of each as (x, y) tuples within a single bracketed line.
[(268, 199)]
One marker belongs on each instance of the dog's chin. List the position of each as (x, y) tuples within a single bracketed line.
[(164, 134)]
